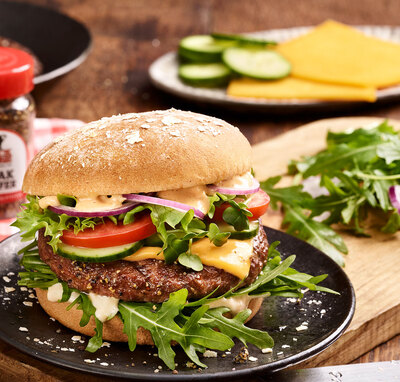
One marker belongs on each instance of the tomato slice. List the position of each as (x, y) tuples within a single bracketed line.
[(110, 234), (257, 204)]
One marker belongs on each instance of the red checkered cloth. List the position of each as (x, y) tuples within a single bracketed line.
[(44, 131)]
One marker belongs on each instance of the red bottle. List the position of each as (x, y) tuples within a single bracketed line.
[(17, 113)]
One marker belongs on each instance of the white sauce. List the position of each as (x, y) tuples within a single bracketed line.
[(235, 304), (240, 181), (106, 307), (73, 297), (192, 196), (55, 292)]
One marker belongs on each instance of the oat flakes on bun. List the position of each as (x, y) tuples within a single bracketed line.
[(146, 228)]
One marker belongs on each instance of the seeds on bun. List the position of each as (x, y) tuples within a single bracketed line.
[(136, 153)]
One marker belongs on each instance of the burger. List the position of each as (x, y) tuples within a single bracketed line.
[(145, 228)]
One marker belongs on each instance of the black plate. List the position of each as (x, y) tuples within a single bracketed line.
[(327, 317), (60, 43)]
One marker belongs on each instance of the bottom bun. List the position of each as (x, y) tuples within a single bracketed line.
[(112, 329)]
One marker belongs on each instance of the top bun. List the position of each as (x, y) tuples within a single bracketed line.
[(145, 152)]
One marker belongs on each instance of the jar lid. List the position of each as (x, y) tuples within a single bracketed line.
[(16, 73)]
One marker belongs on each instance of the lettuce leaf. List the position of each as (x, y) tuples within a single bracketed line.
[(32, 218)]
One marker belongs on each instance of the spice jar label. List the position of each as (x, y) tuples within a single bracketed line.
[(13, 163)]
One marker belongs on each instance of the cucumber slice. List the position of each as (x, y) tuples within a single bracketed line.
[(241, 40), (261, 64), (240, 235), (98, 255), (204, 75), (202, 48)]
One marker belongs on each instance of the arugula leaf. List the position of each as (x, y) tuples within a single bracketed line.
[(234, 327), (393, 224), (96, 341), (88, 310), (189, 324), (164, 329), (317, 234), (357, 168)]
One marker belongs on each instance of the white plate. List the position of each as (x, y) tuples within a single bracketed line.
[(164, 75)]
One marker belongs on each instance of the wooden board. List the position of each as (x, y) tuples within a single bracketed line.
[(373, 264)]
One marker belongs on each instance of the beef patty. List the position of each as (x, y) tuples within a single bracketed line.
[(148, 280)]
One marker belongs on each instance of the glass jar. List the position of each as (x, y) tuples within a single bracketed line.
[(17, 113)]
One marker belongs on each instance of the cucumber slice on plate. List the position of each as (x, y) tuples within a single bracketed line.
[(240, 235), (98, 255), (241, 40), (202, 48), (204, 75), (262, 64)]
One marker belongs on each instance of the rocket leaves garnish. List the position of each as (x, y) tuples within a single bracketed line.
[(356, 169), (164, 329), (235, 328), (190, 324)]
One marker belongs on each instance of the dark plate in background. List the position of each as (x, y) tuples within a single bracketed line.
[(60, 43), (327, 316)]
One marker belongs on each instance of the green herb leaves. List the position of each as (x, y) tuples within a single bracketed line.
[(236, 214), (300, 223), (32, 218), (356, 169), (164, 329), (216, 237), (191, 324), (235, 328)]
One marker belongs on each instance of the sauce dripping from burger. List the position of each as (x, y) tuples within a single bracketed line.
[(192, 196), (87, 204), (196, 197), (106, 307), (235, 304), (240, 181)]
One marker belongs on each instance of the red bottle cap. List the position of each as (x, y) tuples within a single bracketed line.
[(16, 73)]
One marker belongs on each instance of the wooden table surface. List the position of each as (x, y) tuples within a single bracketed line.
[(129, 34)]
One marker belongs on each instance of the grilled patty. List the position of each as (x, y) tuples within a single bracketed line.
[(148, 280)]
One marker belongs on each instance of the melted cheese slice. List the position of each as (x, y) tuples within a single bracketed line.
[(233, 257), (337, 53), (290, 87)]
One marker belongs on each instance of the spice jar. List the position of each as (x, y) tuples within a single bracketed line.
[(17, 112)]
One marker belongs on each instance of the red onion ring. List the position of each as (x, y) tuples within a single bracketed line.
[(236, 191), (164, 202), (394, 196), (71, 211)]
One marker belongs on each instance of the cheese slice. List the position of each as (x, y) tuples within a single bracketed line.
[(296, 88), (336, 53), (233, 257)]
